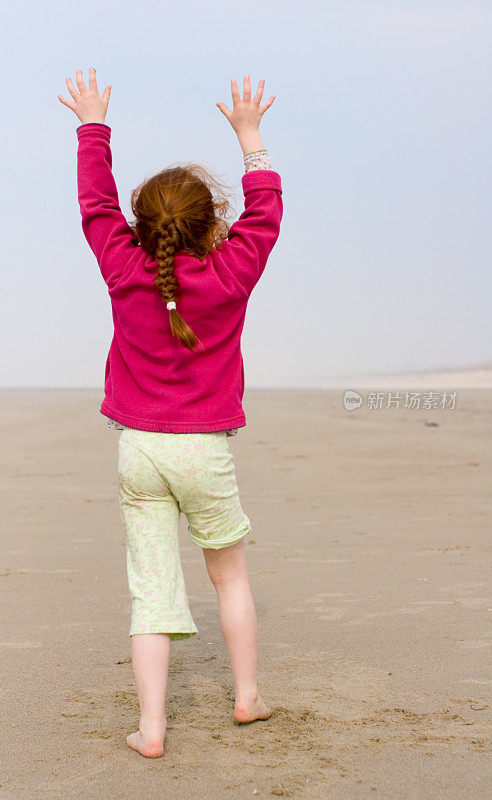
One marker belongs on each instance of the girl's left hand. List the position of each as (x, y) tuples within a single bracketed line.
[(87, 104)]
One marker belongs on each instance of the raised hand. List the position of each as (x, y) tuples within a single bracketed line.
[(87, 104), (246, 113)]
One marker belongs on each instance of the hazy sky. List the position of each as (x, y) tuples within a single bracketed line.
[(381, 134)]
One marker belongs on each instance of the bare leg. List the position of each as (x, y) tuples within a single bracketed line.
[(150, 657), (228, 572)]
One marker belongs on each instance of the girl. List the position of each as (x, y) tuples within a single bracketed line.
[(179, 280)]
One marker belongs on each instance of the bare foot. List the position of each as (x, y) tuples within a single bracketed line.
[(249, 710), (149, 744)]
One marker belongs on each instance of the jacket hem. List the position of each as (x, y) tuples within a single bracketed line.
[(161, 426)]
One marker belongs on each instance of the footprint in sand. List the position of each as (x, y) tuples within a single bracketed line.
[(35, 570), (462, 587), (331, 614), (474, 645), (19, 645), (473, 602), (374, 614)]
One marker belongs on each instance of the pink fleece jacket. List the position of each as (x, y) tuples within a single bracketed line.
[(152, 381)]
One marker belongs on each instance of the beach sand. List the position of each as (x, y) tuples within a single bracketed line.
[(367, 560)]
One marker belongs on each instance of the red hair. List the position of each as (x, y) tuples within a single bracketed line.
[(179, 208)]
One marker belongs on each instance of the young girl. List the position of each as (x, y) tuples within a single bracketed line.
[(179, 281)]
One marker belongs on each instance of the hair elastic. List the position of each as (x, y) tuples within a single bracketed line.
[(171, 305)]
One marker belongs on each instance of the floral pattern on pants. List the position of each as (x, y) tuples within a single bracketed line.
[(160, 476)]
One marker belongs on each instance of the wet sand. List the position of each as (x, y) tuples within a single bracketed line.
[(367, 562)]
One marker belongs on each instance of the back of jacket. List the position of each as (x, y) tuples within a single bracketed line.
[(152, 381)]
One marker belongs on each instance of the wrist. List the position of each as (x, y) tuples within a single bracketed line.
[(92, 121), (249, 140)]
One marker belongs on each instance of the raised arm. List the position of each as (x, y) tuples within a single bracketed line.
[(252, 237), (106, 229)]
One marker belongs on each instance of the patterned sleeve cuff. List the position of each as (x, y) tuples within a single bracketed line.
[(258, 159)]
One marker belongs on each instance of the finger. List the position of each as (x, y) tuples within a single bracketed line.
[(247, 89), (225, 110), (106, 95), (236, 97), (259, 92), (80, 80), (71, 88), (66, 103), (267, 104), (92, 80)]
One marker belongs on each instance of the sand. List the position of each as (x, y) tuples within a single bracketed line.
[(454, 379), (367, 562)]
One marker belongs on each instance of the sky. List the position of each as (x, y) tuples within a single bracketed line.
[(380, 131)]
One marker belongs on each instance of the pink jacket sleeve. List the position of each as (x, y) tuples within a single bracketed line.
[(251, 238), (105, 227)]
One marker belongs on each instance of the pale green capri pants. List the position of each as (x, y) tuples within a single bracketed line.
[(160, 476)]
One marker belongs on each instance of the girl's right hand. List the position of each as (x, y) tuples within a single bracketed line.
[(246, 113)]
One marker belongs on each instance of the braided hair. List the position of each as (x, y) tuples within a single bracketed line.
[(165, 281), (179, 208)]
